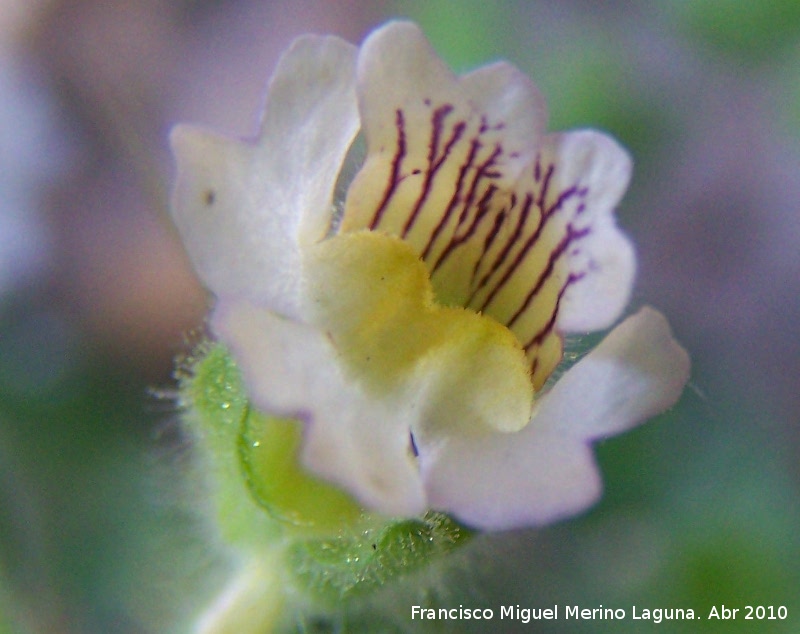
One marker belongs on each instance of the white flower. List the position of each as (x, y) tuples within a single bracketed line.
[(414, 335)]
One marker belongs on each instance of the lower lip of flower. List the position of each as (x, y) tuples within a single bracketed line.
[(372, 295)]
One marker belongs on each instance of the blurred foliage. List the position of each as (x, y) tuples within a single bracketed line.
[(88, 533), (746, 32), (788, 95), (473, 43)]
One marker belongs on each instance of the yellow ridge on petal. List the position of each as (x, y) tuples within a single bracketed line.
[(372, 294)]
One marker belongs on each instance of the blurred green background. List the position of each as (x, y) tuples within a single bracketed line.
[(100, 528)]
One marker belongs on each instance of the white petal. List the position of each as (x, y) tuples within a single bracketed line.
[(598, 163), (398, 68), (547, 471), (244, 209), (504, 481), (505, 94), (438, 146), (310, 121), (359, 443), (237, 245), (636, 372)]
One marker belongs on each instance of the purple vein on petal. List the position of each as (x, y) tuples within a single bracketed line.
[(397, 162), (571, 236), (435, 158), (550, 324)]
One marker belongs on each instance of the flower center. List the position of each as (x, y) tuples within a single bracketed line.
[(373, 295), (500, 230)]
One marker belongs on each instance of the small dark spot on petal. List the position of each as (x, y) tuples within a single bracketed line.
[(210, 197), (414, 448)]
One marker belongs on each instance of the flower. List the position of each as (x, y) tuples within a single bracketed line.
[(415, 331)]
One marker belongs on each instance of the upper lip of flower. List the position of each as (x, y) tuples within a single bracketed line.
[(508, 221)]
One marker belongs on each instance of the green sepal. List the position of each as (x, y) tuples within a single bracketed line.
[(268, 450), (214, 406), (332, 549), (350, 565)]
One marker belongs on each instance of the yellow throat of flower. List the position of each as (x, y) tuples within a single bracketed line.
[(373, 295)]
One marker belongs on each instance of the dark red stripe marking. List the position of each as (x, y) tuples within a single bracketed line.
[(548, 327), (435, 161), (397, 162), (475, 147), (512, 240), (481, 207), (499, 220), (546, 215), (571, 235)]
